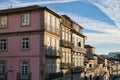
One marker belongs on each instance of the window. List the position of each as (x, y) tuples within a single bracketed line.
[(2, 67), (57, 26), (25, 43), (25, 19), (48, 21), (69, 57), (57, 46), (3, 44), (24, 67), (63, 35), (3, 22), (53, 67), (63, 56), (48, 67), (53, 46), (90, 65), (79, 44), (53, 23), (69, 37)]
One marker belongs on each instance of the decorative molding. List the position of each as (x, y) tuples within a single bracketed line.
[(20, 56), (21, 33)]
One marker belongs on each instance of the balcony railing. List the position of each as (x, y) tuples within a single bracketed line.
[(65, 43), (78, 69), (51, 76), (20, 76), (66, 65), (3, 76), (79, 49), (52, 53)]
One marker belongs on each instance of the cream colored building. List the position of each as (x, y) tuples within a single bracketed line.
[(52, 53), (66, 46), (78, 51)]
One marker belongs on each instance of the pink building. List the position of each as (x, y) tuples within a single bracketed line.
[(22, 43)]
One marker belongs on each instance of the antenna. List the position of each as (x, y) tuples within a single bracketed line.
[(10, 3)]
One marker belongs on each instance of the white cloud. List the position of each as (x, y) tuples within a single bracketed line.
[(111, 8), (19, 3)]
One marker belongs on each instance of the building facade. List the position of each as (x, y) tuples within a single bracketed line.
[(29, 43), (78, 51), (38, 44)]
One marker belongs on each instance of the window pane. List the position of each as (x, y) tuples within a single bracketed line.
[(24, 67), (25, 19), (25, 43), (3, 22), (2, 67), (3, 44)]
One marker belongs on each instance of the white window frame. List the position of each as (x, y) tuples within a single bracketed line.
[(3, 44), (25, 19), (3, 22), (25, 43), (23, 67)]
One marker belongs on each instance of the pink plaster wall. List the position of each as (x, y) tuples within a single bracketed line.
[(14, 54), (15, 50), (14, 23), (13, 65)]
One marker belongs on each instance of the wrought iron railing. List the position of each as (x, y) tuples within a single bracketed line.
[(3, 76), (21, 76), (66, 65)]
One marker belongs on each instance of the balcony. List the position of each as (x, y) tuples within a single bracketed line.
[(20, 76), (79, 49), (51, 76), (67, 44), (78, 69), (52, 53), (66, 65), (3, 76)]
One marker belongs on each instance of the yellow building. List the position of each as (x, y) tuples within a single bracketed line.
[(66, 47)]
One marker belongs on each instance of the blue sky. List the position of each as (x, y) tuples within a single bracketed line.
[(100, 19)]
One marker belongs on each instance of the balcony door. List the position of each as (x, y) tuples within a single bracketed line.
[(24, 70), (2, 70)]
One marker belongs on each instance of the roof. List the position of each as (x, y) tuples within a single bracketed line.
[(68, 18), (26, 8), (12, 10), (89, 46), (90, 56)]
